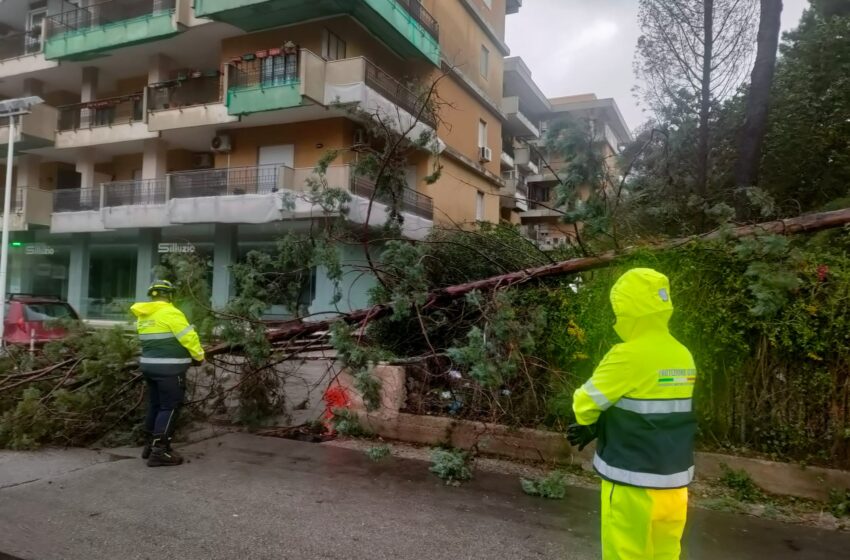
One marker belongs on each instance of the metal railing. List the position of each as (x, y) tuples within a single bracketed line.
[(268, 71), (135, 192), (20, 44), (397, 92), (76, 200), (102, 112), (225, 181), (186, 92), (418, 12), (412, 201), (103, 13)]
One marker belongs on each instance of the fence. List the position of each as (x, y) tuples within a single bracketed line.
[(398, 93), (135, 192), (226, 181), (412, 201), (421, 15), (102, 13), (102, 112), (76, 200), (264, 71), (185, 92)]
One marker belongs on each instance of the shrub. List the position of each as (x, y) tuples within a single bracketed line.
[(451, 465)]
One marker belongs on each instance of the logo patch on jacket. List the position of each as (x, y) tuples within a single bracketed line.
[(677, 376)]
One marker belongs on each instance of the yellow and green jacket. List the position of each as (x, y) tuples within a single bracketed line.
[(169, 343), (640, 395)]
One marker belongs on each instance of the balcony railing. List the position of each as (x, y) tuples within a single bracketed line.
[(103, 13), (412, 201), (185, 92), (423, 16), (20, 44), (277, 68), (102, 112), (135, 192), (226, 181), (396, 92), (76, 200)]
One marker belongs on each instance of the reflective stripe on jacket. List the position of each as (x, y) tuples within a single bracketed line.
[(640, 394), (169, 343)]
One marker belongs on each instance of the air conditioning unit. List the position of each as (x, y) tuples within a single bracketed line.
[(221, 143), (485, 154)]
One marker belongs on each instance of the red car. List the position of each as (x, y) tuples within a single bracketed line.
[(28, 318)]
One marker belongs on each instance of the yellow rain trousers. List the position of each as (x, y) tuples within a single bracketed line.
[(642, 523), (640, 398)]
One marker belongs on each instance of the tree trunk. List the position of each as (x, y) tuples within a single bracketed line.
[(755, 118), (705, 98)]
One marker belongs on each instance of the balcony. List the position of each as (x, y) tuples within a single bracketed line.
[(515, 194), (36, 129), (404, 25), (524, 161), (104, 121), (518, 124), (191, 100), (30, 207), (84, 32), (241, 195), (265, 83), (23, 52)]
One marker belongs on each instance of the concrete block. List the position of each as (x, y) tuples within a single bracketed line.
[(393, 391)]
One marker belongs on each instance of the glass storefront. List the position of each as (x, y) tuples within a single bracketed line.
[(112, 281), (38, 268)]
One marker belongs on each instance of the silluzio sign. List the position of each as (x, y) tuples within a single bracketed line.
[(163, 248)]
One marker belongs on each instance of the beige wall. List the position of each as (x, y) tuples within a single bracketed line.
[(454, 195), (461, 39), (306, 136), (460, 114)]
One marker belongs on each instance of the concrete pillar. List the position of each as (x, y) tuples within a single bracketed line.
[(78, 273), (225, 254), (154, 158), (147, 258), (88, 91), (29, 171), (159, 68), (85, 167)]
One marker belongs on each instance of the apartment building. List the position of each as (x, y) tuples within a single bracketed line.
[(180, 125), (529, 170)]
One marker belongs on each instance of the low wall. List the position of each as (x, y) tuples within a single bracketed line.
[(527, 444)]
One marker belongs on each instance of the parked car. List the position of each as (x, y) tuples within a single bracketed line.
[(30, 318)]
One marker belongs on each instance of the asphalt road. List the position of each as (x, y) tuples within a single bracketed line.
[(244, 496)]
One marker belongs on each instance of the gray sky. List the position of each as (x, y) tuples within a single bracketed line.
[(587, 46)]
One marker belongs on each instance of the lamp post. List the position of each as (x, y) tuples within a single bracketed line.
[(11, 108)]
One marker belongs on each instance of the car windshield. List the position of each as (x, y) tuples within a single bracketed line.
[(48, 311)]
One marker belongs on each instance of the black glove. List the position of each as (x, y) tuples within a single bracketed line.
[(196, 363), (581, 435)]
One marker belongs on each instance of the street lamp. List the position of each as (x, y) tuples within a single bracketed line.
[(10, 108)]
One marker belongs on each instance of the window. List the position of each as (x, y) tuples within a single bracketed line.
[(482, 133), (479, 206), (484, 63), (333, 48)]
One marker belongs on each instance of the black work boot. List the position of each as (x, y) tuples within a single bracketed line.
[(146, 450), (162, 455)]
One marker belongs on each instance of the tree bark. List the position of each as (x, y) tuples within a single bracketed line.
[(297, 328), (705, 98), (758, 98)]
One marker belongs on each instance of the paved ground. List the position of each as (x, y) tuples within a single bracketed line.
[(249, 497)]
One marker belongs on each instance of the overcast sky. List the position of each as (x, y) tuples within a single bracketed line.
[(587, 46)]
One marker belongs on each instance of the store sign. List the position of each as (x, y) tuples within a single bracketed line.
[(39, 249), (164, 248)]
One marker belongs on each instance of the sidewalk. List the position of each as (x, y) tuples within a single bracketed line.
[(244, 496)]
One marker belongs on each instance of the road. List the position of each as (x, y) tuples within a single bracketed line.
[(244, 496)]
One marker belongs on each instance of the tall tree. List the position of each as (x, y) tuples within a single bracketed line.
[(758, 98), (694, 51)]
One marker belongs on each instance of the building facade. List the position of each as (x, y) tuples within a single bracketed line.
[(180, 125)]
